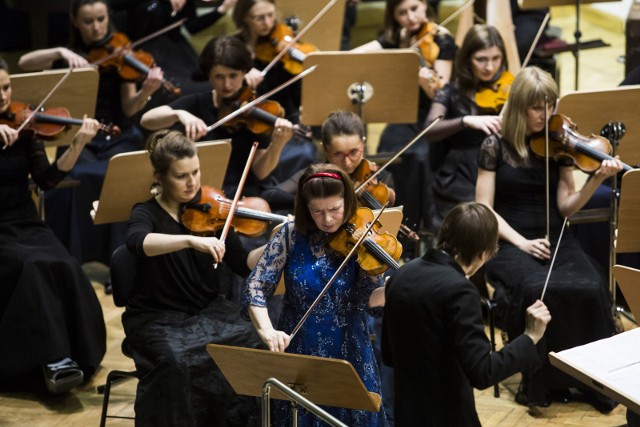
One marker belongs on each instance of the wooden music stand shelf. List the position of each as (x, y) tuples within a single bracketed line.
[(130, 175), (326, 33), (335, 86), (324, 381)]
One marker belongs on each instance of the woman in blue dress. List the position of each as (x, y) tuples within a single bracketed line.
[(337, 327)]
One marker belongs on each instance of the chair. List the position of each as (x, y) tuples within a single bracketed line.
[(122, 269)]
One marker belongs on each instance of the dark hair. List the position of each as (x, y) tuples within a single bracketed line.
[(227, 51), (468, 231), (478, 37), (165, 146), (240, 12), (341, 123), (391, 27), (321, 187), (75, 39)]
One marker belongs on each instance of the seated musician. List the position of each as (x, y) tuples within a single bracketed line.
[(511, 180), (405, 23), (176, 308), (225, 60), (118, 101), (480, 63), (343, 143), (300, 252), (432, 330), (50, 318)]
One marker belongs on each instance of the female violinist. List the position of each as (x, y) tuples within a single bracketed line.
[(479, 62), (44, 290), (343, 143), (337, 327), (177, 306), (511, 180), (406, 22), (225, 60), (117, 102)]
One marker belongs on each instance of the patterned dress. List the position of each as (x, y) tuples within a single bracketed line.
[(337, 327)]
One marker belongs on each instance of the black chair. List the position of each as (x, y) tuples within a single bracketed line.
[(122, 269)]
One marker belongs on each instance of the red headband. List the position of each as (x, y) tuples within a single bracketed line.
[(324, 175)]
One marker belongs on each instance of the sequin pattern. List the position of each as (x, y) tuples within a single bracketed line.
[(336, 328)]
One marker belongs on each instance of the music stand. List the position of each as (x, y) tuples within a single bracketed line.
[(77, 94), (628, 214), (359, 82), (538, 4), (629, 282), (324, 381), (130, 175), (327, 32)]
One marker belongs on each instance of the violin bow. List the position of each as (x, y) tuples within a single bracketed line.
[(553, 260), (546, 167), (298, 36), (398, 154), (443, 23), (259, 99), (236, 198), (337, 273), (532, 48), (140, 41)]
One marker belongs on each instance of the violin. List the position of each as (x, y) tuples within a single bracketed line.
[(260, 119), (586, 152), (376, 193), (428, 48), (269, 47), (115, 51), (48, 124), (208, 211), (492, 97), (379, 251)]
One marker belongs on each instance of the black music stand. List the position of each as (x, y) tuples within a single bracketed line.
[(537, 4)]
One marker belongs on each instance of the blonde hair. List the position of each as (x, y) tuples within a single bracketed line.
[(530, 87)]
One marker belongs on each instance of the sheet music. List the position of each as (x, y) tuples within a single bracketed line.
[(613, 361)]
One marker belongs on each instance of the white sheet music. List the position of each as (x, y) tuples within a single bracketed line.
[(614, 362)]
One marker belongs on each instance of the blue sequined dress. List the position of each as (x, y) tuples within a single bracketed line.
[(336, 328)]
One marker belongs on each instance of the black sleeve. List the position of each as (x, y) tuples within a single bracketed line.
[(140, 224), (283, 196), (441, 106), (235, 255), (489, 153), (482, 367), (46, 175), (447, 46)]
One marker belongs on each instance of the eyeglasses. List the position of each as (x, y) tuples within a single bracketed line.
[(352, 154)]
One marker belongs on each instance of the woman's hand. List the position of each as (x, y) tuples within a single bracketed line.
[(8, 136), (209, 245), (428, 81), (71, 58), (538, 317), (282, 131), (253, 78), (87, 131), (153, 81), (609, 168), (194, 127), (537, 248), (176, 6), (276, 340), (487, 124)]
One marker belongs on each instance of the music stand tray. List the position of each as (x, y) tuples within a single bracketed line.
[(77, 94), (334, 86), (324, 381), (130, 175)]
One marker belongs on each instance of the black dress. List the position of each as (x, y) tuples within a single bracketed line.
[(174, 311), (577, 294), (48, 308), (413, 174)]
